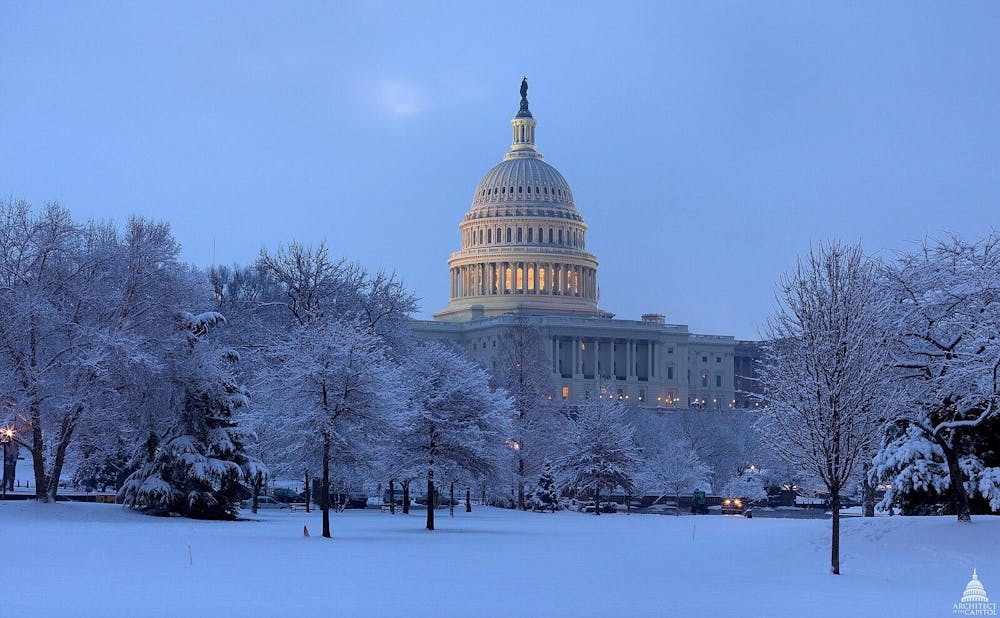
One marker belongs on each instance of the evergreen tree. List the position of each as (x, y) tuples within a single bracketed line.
[(546, 494), (200, 466)]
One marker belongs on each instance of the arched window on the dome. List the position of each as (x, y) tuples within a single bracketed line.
[(560, 237), (520, 189), (529, 188), (503, 189), (498, 234), (536, 189), (508, 234), (550, 236), (489, 236), (540, 236), (480, 236), (546, 190), (519, 239), (530, 231)]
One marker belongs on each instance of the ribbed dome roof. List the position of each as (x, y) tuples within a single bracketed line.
[(523, 184), (523, 180)]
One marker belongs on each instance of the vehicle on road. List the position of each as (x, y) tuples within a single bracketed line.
[(732, 506)]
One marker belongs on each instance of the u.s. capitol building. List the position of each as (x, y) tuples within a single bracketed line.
[(524, 253)]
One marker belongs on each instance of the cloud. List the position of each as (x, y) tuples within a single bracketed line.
[(400, 99)]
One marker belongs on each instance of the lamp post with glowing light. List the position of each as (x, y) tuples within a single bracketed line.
[(6, 437)]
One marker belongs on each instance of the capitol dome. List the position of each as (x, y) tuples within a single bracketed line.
[(523, 241), (974, 591)]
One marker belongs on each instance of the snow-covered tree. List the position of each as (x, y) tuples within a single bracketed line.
[(674, 470), (454, 420), (105, 466), (601, 453), (915, 470), (824, 371), (524, 371), (331, 331), (748, 485), (333, 391), (545, 496), (83, 306), (946, 317), (201, 466)]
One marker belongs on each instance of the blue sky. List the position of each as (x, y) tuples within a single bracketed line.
[(708, 144)]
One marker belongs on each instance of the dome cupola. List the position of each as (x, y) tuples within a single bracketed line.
[(523, 241)]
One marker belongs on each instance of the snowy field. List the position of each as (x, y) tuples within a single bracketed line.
[(98, 560)]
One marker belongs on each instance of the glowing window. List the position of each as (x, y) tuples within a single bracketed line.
[(565, 392)]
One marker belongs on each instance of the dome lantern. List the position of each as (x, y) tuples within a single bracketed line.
[(523, 143)]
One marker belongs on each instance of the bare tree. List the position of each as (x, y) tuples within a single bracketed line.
[(823, 375), (523, 370)]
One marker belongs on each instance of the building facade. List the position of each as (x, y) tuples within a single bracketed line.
[(524, 253)]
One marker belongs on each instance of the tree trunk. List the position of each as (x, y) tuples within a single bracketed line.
[(520, 482), (38, 455), (959, 496), (430, 499), (835, 539), (325, 498), (256, 494), (406, 498), (867, 493), (66, 430), (451, 500), (468, 499), (308, 494), (597, 501), (392, 497)]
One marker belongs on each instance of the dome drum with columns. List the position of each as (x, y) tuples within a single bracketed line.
[(523, 241)]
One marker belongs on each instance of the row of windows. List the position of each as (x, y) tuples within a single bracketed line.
[(520, 189), (487, 236)]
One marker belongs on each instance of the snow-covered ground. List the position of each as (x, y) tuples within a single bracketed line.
[(98, 560)]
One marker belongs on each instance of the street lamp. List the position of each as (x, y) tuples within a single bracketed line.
[(6, 437)]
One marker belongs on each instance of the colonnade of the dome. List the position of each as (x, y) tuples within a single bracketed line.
[(521, 277)]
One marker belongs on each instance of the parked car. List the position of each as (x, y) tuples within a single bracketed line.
[(284, 494), (606, 507), (265, 502), (732, 506)]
